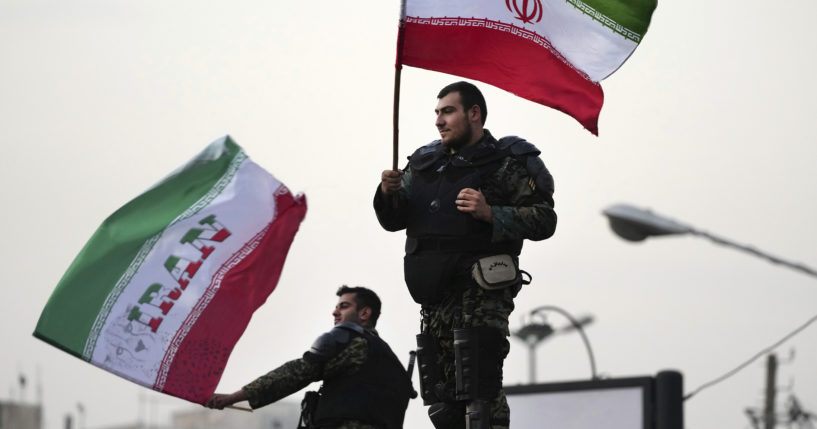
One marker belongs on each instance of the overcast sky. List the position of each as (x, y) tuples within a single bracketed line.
[(710, 122)]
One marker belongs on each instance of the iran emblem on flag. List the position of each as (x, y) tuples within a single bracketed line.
[(552, 52)]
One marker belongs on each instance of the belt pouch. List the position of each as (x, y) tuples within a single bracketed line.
[(496, 272)]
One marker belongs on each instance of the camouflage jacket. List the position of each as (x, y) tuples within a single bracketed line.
[(299, 373), (520, 209)]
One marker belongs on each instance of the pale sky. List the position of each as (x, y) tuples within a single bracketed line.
[(709, 122)]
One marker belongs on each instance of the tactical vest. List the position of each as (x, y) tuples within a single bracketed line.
[(377, 394), (433, 221)]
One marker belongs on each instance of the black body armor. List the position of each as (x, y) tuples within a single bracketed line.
[(441, 242), (377, 394)]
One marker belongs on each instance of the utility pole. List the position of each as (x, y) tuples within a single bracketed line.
[(769, 419)]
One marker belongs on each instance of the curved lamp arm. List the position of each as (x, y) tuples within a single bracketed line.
[(578, 327), (635, 224)]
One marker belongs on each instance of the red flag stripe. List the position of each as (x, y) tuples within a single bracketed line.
[(194, 370), (510, 60)]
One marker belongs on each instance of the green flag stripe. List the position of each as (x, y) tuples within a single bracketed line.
[(124, 281), (84, 294), (630, 18)]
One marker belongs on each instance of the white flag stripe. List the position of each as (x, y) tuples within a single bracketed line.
[(583, 40), (201, 305), (252, 189), (590, 46)]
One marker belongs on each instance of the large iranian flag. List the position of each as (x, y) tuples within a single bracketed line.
[(166, 286), (553, 52)]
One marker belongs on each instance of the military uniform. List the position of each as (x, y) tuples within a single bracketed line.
[(443, 244), (359, 371)]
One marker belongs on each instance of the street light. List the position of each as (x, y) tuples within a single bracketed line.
[(534, 333), (635, 224), (81, 415)]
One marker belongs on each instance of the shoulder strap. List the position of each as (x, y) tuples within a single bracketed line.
[(517, 146), (528, 155), (332, 342), (426, 156)]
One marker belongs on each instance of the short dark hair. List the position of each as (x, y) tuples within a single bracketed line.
[(470, 95), (363, 298)]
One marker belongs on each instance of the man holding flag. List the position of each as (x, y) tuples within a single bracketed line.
[(365, 385), (467, 201)]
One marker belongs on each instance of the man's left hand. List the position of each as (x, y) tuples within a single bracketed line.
[(220, 400), (472, 201)]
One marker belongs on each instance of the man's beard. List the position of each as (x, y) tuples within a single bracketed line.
[(459, 142)]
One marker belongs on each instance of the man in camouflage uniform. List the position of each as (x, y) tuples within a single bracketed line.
[(364, 384), (466, 201)]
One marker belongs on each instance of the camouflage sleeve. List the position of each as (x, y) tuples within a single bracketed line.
[(282, 381), (393, 218), (519, 210), (298, 373), (349, 360)]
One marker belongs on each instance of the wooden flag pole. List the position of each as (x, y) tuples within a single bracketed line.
[(396, 118), (236, 407), (398, 67)]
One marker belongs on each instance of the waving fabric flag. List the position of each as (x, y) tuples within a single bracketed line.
[(166, 286), (553, 52)]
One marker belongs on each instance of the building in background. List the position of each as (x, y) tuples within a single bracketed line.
[(280, 415), (18, 415)]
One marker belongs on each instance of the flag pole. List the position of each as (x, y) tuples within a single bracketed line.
[(396, 119), (398, 67), (238, 407)]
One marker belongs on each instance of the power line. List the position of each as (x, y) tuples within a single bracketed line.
[(754, 358)]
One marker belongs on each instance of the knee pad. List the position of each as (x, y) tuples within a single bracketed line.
[(478, 356), (428, 368)]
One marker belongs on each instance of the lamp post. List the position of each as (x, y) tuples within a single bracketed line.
[(535, 333), (635, 224), (80, 415)]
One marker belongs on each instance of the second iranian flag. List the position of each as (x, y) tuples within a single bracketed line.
[(166, 286)]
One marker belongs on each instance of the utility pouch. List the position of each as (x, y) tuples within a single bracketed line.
[(308, 407), (496, 272)]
